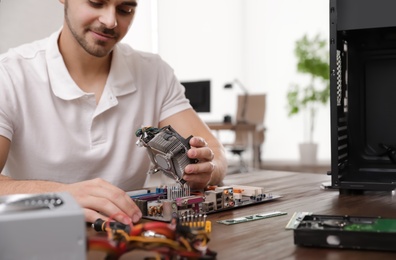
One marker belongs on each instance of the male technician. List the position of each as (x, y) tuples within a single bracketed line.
[(70, 105)]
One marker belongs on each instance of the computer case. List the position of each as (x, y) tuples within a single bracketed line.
[(363, 95)]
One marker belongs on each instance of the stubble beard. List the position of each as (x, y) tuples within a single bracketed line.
[(97, 49)]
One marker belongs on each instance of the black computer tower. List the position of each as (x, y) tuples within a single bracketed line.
[(363, 94)]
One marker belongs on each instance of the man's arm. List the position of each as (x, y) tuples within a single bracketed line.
[(10, 186), (4, 148), (97, 197), (205, 147)]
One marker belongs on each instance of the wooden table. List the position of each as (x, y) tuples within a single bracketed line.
[(251, 128), (268, 238)]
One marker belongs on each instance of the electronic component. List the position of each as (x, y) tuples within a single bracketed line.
[(296, 219), (165, 203), (182, 238), (215, 198), (163, 210), (196, 221), (251, 217), (227, 196), (167, 150), (28, 202), (250, 191), (55, 218), (101, 225), (354, 232)]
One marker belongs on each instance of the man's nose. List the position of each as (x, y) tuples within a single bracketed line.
[(108, 17)]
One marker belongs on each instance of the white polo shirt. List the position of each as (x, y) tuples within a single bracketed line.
[(57, 131)]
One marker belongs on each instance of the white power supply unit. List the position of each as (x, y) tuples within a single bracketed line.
[(42, 226)]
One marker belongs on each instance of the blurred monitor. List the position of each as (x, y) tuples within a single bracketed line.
[(198, 92)]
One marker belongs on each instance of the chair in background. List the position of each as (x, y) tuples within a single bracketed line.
[(250, 110)]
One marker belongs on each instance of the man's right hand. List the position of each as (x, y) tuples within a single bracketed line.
[(100, 199), (97, 197)]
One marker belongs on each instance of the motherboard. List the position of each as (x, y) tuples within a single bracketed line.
[(179, 201)]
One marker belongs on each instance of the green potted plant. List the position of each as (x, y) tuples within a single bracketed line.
[(312, 60)]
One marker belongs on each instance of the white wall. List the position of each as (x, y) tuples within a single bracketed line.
[(143, 33), (201, 39), (23, 21), (252, 40), (275, 25)]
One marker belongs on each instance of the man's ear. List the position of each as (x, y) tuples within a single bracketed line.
[(62, 1)]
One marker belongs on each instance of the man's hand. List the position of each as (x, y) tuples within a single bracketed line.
[(199, 175), (100, 199), (212, 163)]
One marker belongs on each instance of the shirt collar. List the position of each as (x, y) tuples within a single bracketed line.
[(121, 77), (120, 80)]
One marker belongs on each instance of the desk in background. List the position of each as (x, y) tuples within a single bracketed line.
[(268, 239), (251, 128)]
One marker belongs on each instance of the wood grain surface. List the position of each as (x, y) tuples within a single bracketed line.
[(301, 192)]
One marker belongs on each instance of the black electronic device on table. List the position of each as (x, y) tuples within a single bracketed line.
[(363, 93), (349, 232)]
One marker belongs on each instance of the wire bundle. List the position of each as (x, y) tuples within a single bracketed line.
[(174, 240)]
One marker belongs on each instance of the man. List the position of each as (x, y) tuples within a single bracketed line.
[(70, 105)]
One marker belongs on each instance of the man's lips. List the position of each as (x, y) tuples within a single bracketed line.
[(103, 36)]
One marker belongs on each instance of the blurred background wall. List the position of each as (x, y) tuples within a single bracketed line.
[(221, 40)]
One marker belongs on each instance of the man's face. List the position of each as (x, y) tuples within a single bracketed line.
[(97, 25)]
